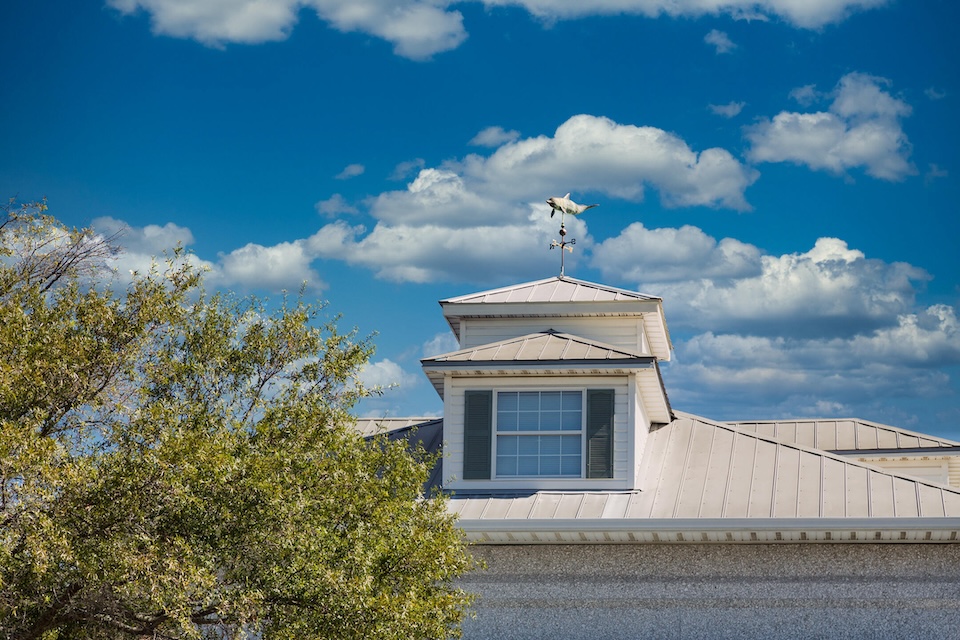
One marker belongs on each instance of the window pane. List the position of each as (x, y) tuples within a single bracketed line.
[(549, 420), (507, 445), (572, 400), (570, 465), (506, 421), (528, 421), (549, 465), (507, 401), (529, 401), (550, 400), (550, 445), (570, 445), (528, 465), (570, 421), (506, 466), (529, 445)]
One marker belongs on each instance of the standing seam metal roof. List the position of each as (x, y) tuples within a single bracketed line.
[(848, 434), (538, 347)]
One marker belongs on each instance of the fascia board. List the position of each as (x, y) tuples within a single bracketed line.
[(550, 309), (695, 525), (567, 366)]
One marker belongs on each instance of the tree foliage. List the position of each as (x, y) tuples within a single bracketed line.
[(182, 465)]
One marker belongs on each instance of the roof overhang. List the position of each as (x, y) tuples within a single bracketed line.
[(714, 530)]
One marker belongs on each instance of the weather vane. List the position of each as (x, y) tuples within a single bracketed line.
[(565, 205)]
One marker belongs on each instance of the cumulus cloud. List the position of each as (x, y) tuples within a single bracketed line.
[(674, 255), (494, 137), (799, 13), (443, 342), (387, 373), (829, 290), (483, 217), (351, 171), (720, 41), (729, 110), (142, 247), (405, 169), (418, 29), (806, 95), (861, 129), (334, 205), (282, 266), (827, 376)]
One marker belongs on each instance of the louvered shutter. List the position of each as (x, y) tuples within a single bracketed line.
[(600, 433), (477, 425)]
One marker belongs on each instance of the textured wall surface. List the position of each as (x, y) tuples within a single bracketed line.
[(716, 591)]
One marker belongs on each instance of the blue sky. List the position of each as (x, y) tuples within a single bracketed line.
[(783, 173)]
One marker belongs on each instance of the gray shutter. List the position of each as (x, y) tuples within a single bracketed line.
[(477, 425), (600, 433)]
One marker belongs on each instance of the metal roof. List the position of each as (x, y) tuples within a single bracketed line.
[(546, 346), (849, 434), (373, 426), (556, 289), (707, 481)]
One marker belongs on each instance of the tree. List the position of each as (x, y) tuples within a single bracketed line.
[(182, 465)]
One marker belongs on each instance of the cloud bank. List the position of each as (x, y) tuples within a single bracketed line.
[(419, 29)]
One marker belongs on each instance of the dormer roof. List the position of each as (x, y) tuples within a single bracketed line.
[(552, 353), (562, 297)]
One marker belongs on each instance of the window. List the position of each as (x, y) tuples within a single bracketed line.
[(539, 433)]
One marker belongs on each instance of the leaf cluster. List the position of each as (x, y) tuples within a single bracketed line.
[(182, 465)]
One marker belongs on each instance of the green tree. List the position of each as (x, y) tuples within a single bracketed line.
[(182, 465)]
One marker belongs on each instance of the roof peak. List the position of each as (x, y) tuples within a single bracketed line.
[(553, 289)]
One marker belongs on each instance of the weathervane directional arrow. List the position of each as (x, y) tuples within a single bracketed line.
[(565, 205)]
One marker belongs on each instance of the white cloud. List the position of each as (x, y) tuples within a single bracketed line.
[(819, 376), (483, 217), (405, 169), (387, 373), (670, 255), (933, 172), (427, 252), (861, 129), (806, 95), (283, 266), (934, 93), (829, 290), (334, 205), (597, 154), (350, 171), (143, 247), (494, 137), (418, 29), (808, 14), (729, 110), (444, 342), (720, 41)]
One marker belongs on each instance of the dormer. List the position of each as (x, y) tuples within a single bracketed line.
[(555, 386), (625, 319)]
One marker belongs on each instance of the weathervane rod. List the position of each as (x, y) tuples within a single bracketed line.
[(565, 205)]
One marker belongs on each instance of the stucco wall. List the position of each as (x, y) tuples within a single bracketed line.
[(716, 591)]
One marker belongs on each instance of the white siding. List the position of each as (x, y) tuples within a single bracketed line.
[(621, 332), (453, 407)]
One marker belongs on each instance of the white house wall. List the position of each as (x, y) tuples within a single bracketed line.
[(453, 410)]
